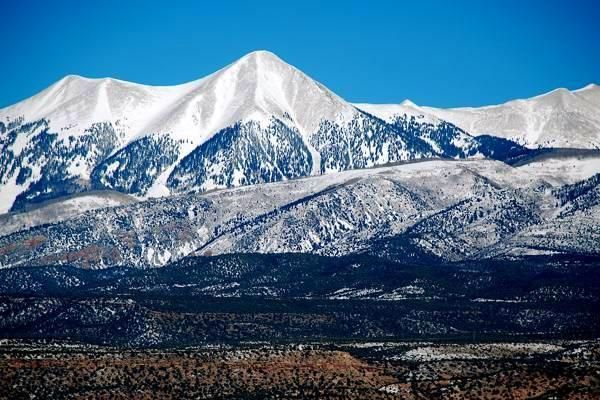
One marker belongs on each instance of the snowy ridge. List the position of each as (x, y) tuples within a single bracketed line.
[(256, 87), (560, 118), (253, 88), (444, 138), (68, 207), (74, 103)]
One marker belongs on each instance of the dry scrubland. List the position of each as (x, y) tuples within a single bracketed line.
[(565, 370)]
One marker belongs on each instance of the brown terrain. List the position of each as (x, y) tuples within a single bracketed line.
[(372, 371)]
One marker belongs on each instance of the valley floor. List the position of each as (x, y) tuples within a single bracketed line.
[(347, 370)]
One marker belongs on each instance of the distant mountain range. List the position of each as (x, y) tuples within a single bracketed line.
[(101, 172)]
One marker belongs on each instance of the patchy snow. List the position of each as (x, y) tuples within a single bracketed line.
[(350, 293), (478, 351), (8, 193), (392, 389), (61, 210)]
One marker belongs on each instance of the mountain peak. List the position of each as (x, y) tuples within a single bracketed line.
[(258, 63), (261, 60), (261, 54), (262, 82), (590, 93), (408, 103), (559, 97), (558, 118), (590, 86), (73, 77)]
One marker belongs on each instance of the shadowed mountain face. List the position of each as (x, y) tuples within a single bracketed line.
[(257, 120)]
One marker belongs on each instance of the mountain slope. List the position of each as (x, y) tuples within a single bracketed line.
[(427, 210), (444, 137), (560, 118)]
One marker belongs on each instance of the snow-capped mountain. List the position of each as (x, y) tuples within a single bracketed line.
[(560, 118), (256, 120)]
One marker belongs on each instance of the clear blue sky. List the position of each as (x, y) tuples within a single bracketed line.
[(440, 53)]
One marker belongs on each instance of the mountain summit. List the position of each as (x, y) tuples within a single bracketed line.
[(258, 83)]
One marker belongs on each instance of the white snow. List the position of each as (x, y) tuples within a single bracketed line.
[(78, 168), (260, 86), (478, 351), (8, 193), (560, 118), (392, 389)]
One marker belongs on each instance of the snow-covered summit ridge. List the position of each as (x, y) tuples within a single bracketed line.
[(406, 109), (256, 87)]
